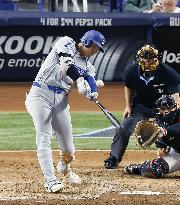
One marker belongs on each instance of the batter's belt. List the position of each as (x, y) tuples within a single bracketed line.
[(53, 88)]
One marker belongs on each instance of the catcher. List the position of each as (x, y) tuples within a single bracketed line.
[(168, 141)]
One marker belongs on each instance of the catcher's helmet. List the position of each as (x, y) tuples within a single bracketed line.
[(166, 101), (150, 54), (91, 37)]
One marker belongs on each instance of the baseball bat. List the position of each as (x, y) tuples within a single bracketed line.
[(108, 114)]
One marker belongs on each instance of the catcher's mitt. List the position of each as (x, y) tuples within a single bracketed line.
[(146, 132)]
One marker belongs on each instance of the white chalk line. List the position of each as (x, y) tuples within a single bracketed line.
[(13, 198), (140, 193), (87, 150), (14, 183)]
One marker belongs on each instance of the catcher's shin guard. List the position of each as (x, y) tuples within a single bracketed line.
[(154, 169), (133, 169)]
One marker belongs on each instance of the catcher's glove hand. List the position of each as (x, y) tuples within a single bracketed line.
[(146, 132)]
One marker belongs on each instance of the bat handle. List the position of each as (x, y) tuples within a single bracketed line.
[(95, 100)]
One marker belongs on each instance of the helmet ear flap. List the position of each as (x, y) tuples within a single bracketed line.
[(95, 37), (87, 43)]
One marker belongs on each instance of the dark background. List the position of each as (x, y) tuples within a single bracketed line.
[(124, 36)]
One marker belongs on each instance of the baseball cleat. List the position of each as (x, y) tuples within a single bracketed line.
[(65, 170), (111, 163), (73, 178), (53, 186), (132, 169)]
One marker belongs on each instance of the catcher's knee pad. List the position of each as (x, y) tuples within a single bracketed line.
[(66, 157), (154, 169)]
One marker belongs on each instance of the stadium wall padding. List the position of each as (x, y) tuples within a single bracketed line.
[(27, 37)]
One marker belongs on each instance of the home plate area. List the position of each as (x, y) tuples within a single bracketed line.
[(22, 182)]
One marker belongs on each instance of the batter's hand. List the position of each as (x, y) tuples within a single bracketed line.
[(81, 85), (162, 151), (94, 95), (127, 112), (91, 96)]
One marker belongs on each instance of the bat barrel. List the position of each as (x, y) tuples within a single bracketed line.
[(109, 115)]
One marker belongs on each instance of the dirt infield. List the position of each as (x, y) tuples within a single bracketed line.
[(21, 181), (12, 98)]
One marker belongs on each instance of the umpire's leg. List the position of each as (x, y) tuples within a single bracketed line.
[(120, 141)]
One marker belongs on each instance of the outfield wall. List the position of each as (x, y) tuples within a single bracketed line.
[(26, 39)]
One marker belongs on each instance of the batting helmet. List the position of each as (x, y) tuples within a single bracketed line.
[(165, 101), (91, 37), (147, 53)]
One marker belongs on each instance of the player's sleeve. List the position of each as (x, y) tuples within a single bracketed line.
[(65, 49), (174, 88), (90, 69), (172, 139), (178, 115), (65, 45), (90, 77), (174, 130), (75, 71), (130, 76), (160, 144)]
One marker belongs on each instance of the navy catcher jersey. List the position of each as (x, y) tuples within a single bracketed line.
[(164, 80), (171, 122)]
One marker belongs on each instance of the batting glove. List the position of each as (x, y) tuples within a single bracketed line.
[(94, 95), (91, 96), (83, 86)]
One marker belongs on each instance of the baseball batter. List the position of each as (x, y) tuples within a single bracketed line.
[(47, 101), (168, 145)]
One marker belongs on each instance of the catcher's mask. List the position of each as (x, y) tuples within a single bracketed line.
[(166, 101), (147, 58)]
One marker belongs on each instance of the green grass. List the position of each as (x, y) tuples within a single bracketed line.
[(88, 121), (17, 131)]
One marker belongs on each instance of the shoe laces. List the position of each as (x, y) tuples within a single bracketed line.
[(64, 168), (111, 159), (73, 175), (52, 182)]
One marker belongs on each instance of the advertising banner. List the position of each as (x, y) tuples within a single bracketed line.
[(24, 48), (167, 41), (26, 38)]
